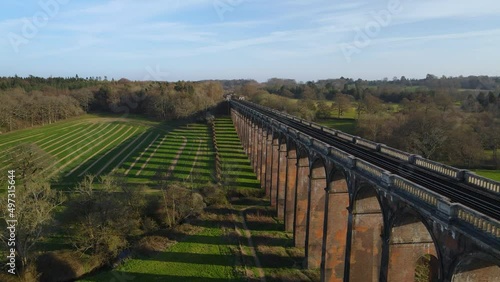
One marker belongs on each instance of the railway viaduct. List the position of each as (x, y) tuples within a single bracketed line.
[(360, 222)]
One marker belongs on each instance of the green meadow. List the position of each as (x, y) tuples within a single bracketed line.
[(134, 147)]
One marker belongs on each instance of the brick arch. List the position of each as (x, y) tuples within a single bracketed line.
[(301, 197), (367, 225), (316, 212), (476, 267), (291, 184), (336, 226), (413, 250)]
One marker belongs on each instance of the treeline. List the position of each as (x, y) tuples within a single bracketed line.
[(438, 129), (38, 101), (458, 130), (389, 91)]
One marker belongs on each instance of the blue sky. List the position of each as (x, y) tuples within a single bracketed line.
[(259, 39)]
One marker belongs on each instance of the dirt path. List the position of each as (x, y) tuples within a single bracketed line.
[(248, 236), (177, 157)]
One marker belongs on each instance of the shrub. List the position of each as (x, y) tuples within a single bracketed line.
[(175, 204), (214, 195), (60, 266), (101, 221), (150, 245)]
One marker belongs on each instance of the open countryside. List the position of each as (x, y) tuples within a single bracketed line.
[(220, 140), (181, 193)]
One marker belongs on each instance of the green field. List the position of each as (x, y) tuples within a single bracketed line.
[(134, 147), (210, 252), (235, 163), (492, 174), (204, 256), (345, 125)]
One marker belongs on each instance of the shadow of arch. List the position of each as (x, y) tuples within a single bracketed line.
[(476, 267)]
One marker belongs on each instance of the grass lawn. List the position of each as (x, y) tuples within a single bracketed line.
[(345, 125), (235, 162), (492, 174), (133, 146), (280, 260), (204, 256)]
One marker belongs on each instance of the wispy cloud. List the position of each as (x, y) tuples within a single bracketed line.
[(188, 34), (448, 9)]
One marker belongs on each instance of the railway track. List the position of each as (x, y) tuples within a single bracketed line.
[(472, 197)]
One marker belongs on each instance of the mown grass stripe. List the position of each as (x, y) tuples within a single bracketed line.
[(51, 134), (164, 155), (195, 162), (60, 150), (31, 139), (132, 151), (19, 139), (150, 156), (119, 153), (76, 151), (100, 150), (176, 159), (72, 133), (91, 148), (142, 154), (103, 156), (53, 149)]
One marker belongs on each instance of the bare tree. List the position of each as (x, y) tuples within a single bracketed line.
[(35, 201), (342, 104)]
